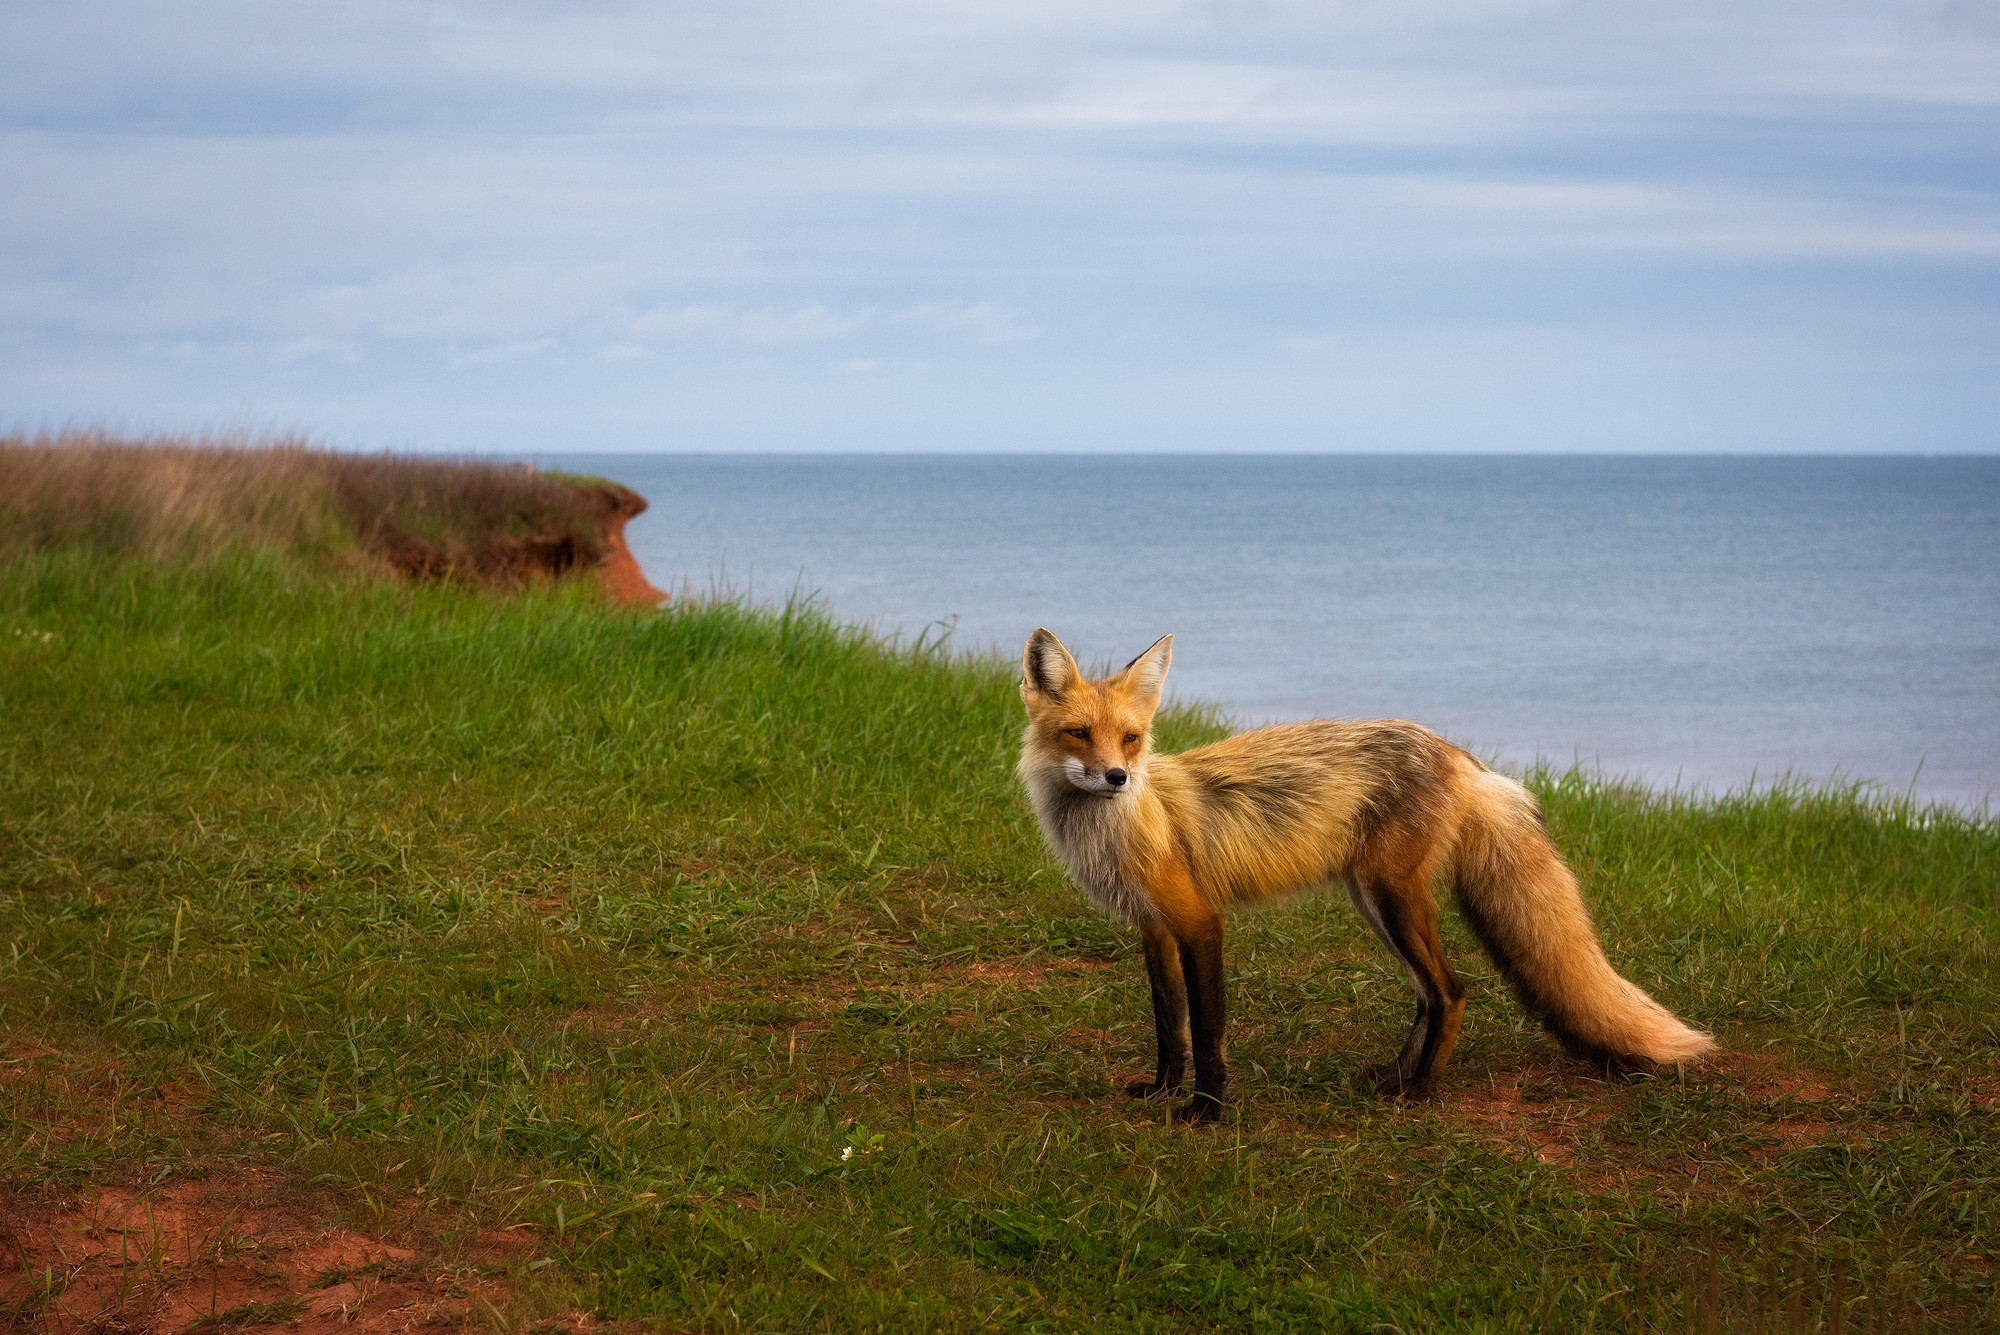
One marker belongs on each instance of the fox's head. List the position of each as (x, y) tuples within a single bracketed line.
[(1094, 733)]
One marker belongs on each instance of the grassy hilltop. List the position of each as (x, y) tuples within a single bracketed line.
[(384, 953), (190, 502)]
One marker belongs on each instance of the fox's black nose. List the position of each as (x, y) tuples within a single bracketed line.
[(1115, 777)]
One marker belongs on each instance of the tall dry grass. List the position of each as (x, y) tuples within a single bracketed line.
[(197, 498), (162, 500)]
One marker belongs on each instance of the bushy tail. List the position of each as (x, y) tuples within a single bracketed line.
[(1522, 900)]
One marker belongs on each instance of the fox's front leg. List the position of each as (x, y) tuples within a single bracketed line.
[(1170, 1014)]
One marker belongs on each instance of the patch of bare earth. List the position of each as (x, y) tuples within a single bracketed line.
[(1769, 1083), (1985, 1092), (1027, 973), (1768, 1078), (1544, 1110), (815, 1001), (234, 1252), (1538, 1111)]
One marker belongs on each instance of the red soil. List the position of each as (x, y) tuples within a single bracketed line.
[(511, 562), (175, 1258), (617, 570), (1548, 1125)]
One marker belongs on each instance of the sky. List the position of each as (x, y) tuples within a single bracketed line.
[(722, 225)]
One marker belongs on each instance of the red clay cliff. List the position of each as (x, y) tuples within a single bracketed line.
[(617, 570)]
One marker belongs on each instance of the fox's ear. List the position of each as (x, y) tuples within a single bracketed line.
[(1046, 668), (1146, 674)]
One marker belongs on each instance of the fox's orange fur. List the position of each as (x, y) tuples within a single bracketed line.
[(1384, 807)]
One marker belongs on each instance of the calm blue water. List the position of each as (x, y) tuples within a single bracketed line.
[(1691, 620)]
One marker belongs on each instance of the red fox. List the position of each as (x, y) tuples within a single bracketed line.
[(1167, 841)]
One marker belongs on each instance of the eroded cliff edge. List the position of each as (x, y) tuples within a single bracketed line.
[(422, 518)]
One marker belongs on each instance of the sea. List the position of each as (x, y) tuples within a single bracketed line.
[(1698, 623)]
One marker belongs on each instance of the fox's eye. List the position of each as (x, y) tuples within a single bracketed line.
[(1081, 734), (1131, 737)]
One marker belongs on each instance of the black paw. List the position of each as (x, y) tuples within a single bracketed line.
[(1199, 1110), (1387, 1077), (1151, 1089), (1390, 1083)]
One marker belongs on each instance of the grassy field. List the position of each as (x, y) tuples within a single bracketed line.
[(704, 969)]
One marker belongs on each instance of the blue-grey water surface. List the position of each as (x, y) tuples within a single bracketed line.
[(1690, 620)]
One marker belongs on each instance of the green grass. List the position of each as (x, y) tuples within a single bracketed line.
[(719, 946), (252, 1314)]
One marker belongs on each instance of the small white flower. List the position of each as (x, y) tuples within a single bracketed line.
[(847, 1154)]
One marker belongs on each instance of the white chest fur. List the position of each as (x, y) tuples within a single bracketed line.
[(1088, 834)]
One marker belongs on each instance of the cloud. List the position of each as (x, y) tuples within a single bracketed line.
[(505, 352), (762, 326), (1660, 220), (983, 322), (1268, 99), (241, 210)]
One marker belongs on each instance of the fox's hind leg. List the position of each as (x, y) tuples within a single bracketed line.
[(1403, 916), (1170, 1013)]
